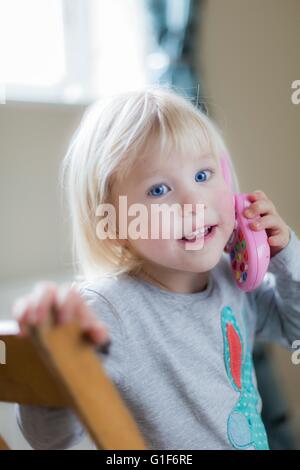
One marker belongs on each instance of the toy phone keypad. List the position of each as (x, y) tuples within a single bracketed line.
[(249, 250), (239, 257)]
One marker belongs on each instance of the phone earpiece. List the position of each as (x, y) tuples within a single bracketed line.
[(249, 250)]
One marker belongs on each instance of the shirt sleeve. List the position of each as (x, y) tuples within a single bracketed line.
[(276, 301), (50, 428)]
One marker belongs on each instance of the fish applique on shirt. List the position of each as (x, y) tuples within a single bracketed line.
[(245, 428)]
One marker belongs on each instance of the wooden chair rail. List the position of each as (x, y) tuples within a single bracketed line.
[(55, 366)]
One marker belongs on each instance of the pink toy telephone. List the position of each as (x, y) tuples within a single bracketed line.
[(249, 249)]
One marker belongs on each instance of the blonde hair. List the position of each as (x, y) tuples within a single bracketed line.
[(114, 132)]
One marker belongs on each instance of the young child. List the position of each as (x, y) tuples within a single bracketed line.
[(181, 332)]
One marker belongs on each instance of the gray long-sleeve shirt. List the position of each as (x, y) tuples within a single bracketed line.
[(183, 362)]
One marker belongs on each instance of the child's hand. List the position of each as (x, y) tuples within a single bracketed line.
[(36, 307), (277, 230)]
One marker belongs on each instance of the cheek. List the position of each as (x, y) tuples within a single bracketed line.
[(165, 226), (225, 206)]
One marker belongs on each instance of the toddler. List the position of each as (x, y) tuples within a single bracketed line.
[(181, 332)]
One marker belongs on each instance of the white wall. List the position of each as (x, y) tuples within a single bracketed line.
[(34, 238), (34, 235), (248, 57)]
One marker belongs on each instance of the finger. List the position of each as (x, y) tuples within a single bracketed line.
[(258, 195), (43, 297), (276, 240), (68, 303), (261, 207), (97, 332), (281, 236), (91, 325), (266, 222), (24, 312), (19, 307), (71, 306)]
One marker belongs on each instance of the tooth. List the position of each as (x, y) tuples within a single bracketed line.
[(190, 237), (197, 233)]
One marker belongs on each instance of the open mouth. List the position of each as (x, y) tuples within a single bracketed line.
[(197, 235)]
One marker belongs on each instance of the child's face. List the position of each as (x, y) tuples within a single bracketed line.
[(192, 179)]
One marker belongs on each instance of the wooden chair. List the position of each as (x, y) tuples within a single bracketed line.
[(56, 366)]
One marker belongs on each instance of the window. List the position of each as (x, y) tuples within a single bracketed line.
[(71, 51)]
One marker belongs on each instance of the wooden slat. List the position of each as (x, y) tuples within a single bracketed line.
[(56, 366), (24, 378), (94, 397), (3, 445)]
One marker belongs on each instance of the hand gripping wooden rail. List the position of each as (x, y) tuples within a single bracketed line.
[(54, 365)]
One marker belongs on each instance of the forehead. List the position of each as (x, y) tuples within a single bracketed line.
[(156, 164), (177, 147)]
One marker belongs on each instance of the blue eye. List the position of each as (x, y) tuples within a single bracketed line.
[(200, 175), (157, 190)]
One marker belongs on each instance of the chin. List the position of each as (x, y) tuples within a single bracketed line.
[(210, 259), (207, 265), (204, 264)]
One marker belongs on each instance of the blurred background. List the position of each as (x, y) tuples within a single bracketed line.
[(235, 59)]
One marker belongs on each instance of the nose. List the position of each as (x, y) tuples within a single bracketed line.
[(194, 209), (191, 200)]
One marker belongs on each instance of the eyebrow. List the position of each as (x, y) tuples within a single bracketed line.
[(204, 159)]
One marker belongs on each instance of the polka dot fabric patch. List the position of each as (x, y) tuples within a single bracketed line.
[(245, 428)]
